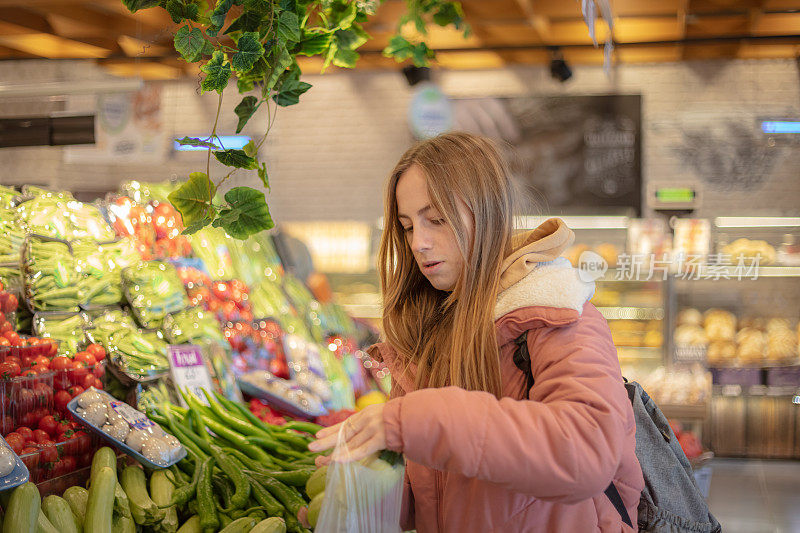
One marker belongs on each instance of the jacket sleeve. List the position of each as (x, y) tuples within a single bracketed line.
[(562, 444), (407, 514)]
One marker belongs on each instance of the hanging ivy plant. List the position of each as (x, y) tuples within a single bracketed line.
[(257, 42)]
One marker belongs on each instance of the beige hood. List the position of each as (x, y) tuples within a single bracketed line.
[(543, 244)]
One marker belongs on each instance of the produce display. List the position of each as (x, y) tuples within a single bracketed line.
[(59, 215), (153, 289), (127, 428), (193, 326), (69, 329), (13, 471), (228, 299), (51, 280), (257, 346)]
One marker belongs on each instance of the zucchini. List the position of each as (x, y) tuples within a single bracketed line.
[(100, 507), (161, 489), (122, 507), (57, 510), (270, 525), (23, 509), (241, 525), (77, 497), (123, 524), (192, 525), (105, 456), (43, 525), (144, 510)]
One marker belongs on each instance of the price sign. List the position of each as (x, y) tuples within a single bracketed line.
[(189, 370)]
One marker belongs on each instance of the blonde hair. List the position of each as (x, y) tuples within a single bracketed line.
[(420, 321)]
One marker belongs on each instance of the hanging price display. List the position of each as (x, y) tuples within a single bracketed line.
[(189, 370)]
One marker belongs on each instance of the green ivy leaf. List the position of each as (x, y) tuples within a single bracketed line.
[(249, 52), (208, 49), (193, 200), (218, 71), (262, 173), (244, 110), (199, 224), (281, 60), (221, 12), (189, 43), (345, 58), (399, 48), (352, 38), (289, 26), (179, 10), (315, 43), (235, 158), (246, 215), (247, 21), (290, 92), (348, 16), (135, 5), (288, 5), (250, 148), (449, 13), (194, 141), (245, 85)]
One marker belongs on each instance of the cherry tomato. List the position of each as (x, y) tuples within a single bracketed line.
[(60, 363), (12, 358), (70, 464), (6, 326), (86, 358), (43, 392), (78, 373), (98, 384), (83, 442), (15, 368), (48, 451), (30, 457), (88, 381), (75, 390), (42, 360), (53, 346), (60, 400), (99, 370), (4, 342), (40, 435), (49, 424), (29, 372), (25, 432), (7, 371), (16, 442), (11, 303), (97, 351), (40, 369), (27, 361), (38, 414)]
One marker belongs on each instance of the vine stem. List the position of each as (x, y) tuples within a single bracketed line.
[(213, 134)]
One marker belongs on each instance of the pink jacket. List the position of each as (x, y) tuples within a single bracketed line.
[(535, 462)]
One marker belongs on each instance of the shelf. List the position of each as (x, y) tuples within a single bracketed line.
[(697, 412), (633, 354), (631, 313)]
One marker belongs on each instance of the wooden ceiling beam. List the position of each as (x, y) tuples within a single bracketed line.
[(110, 23), (537, 21)]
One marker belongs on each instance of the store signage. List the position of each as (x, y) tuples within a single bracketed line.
[(188, 369), (430, 112)]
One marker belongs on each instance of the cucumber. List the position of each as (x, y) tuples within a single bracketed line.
[(100, 507), (161, 489), (241, 525), (316, 483), (77, 498), (144, 510), (123, 524), (192, 525), (122, 506), (57, 510), (270, 525), (23, 509), (105, 456), (43, 525)]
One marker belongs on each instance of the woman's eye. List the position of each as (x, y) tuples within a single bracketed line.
[(437, 221), (407, 230)]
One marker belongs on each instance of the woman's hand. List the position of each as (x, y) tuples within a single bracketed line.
[(364, 433)]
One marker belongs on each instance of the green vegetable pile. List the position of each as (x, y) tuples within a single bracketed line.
[(68, 328), (193, 326), (51, 281), (154, 290)]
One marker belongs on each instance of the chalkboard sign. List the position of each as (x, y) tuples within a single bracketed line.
[(575, 154)]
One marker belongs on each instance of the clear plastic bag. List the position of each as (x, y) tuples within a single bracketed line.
[(362, 496)]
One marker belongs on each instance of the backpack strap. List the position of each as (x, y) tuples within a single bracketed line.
[(522, 360)]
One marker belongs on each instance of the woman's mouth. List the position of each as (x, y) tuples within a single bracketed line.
[(430, 266)]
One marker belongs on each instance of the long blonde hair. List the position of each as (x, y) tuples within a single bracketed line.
[(450, 336)]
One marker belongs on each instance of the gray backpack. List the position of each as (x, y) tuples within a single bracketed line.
[(671, 502)]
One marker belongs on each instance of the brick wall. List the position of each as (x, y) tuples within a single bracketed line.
[(329, 156)]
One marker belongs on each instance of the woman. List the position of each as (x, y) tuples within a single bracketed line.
[(483, 452)]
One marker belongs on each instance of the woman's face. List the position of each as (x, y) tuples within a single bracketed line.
[(432, 241)]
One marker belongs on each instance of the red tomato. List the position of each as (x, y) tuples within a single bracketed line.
[(97, 351), (48, 423), (7, 371), (6, 326), (99, 370), (16, 442), (15, 368), (26, 399), (27, 361), (30, 372), (11, 303), (75, 390), (43, 392), (38, 414), (4, 342), (12, 336), (88, 381), (86, 358), (40, 369), (60, 400), (60, 363), (49, 452), (83, 442), (53, 346), (42, 360), (70, 464), (12, 358), (31, 458), (78, 372), (25, 432), (98, 384), (40, 435), (2, 317)]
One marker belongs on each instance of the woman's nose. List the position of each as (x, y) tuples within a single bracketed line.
[(420, 241)]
